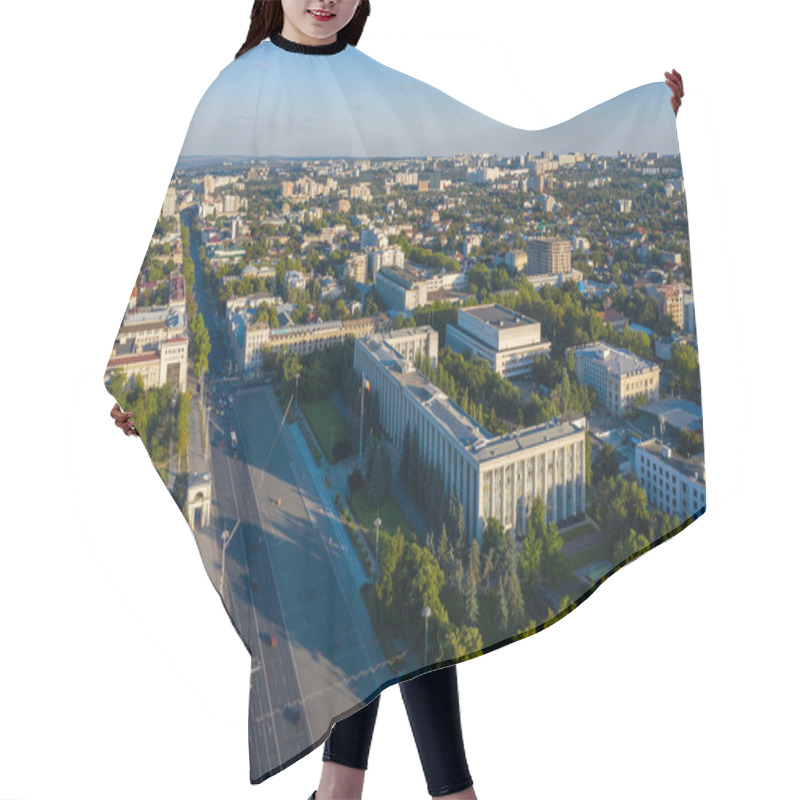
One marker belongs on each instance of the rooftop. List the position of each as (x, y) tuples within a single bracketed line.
[(680, 413), (475, 439), (618, 360), (497, 316), (693, 467)]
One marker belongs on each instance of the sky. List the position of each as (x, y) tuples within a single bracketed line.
[(272, 102)]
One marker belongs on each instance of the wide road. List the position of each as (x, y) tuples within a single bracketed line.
[(287, 576)]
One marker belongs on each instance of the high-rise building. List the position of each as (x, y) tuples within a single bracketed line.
[(549, 255)]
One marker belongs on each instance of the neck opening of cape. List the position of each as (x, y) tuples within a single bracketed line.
[(308, 49)]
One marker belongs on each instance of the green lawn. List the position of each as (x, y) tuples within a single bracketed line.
[(577, 532), (326, 422), (389, 512), (585, 557)]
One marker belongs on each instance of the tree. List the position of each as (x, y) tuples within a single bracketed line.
[(430, 542), (456, 526), (683, 367), (461, 640), (418, 582), (444, 549), (290, 369), (553, 560), (379, 474), (501, 618), (116, 386), (472, 577), (530, 557), (199, 344), (605, 462), (493, 542), (632, 544), (516, 604), (390, 554)]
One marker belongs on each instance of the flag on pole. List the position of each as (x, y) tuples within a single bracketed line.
[(365, 383)]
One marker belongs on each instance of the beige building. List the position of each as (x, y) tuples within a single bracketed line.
[(493, 476), (249, 339), (618, 376), (409, 287), (670, 302), (412, 342), (509, 341), (165, 362), (152, 342), (356, 268), (170, 205), (549, 255), (401, 289)]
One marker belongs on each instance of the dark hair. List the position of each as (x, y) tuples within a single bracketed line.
[(266, 18)]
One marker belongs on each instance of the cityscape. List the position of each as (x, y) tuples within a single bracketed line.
[(413, 409)]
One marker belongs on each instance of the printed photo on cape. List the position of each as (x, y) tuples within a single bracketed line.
[(418, 380)]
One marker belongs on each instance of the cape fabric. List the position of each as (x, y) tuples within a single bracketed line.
[(420, 381)]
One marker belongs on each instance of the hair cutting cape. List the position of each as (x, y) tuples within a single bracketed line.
[(419, 380)]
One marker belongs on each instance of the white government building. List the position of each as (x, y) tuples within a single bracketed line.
[(493, 476), (509, 341), (675, 484)]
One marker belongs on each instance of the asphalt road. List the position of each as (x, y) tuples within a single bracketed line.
[(287, 575)]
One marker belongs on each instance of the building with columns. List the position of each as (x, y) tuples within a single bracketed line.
[(493, 476), (248, 338)]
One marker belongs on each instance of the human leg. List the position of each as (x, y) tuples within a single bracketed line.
[(346, 753), (433, 710)]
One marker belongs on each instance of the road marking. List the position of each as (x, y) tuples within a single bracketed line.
[(274, 580), (258, 638)]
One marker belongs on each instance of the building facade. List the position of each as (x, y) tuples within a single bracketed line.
[(618, 376), (153, 342), (492, 476), (549, 255), (674, 484), (401, 289), (509, 341), (249, 339)]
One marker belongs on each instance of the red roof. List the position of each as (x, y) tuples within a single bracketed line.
[(137, 358)]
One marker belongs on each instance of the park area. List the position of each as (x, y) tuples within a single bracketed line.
[(390, 514), (327, 423)]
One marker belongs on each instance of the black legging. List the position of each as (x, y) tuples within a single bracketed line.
[(432, 706)]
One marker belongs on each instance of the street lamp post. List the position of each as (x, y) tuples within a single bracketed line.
[(426, 612), (377, 539), (225, 539)]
